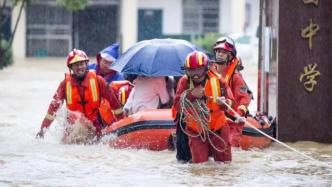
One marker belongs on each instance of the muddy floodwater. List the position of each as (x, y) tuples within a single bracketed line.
[(25, 92)]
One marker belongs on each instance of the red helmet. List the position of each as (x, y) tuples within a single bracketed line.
[(195, 60), (76, 55), (224, 39), (228, 41), (226, 47)]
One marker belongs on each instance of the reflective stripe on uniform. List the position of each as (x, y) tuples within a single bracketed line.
[(123, 96), (49, 117), (214, 86), (227, 78), (69, 93), (117, 111), (93, 90), (191, 84)]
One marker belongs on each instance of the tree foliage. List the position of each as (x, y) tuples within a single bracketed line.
[(207, 41), (73, 5), (7, 57), (5, 46)]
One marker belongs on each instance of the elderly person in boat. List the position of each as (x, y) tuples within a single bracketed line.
[(105, 59), (148, 93)]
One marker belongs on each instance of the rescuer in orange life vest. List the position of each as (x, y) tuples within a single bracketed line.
[(83, 91), (206, 91), (229, 66)]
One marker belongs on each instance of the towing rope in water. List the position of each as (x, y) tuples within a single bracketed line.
[(200, 113), (285, 145)]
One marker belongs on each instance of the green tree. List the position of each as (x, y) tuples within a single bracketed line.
[(206, 41), (5, 46), (73, 5)]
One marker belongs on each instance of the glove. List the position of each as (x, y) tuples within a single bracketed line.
[(240, 112), (197, 92), (221, 100), (40, 134), (240, 120)]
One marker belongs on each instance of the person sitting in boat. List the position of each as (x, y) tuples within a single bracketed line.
[(83, 91), (123, 89), (105, 59), (200, 102), (229, 66), (148, 93), (171, 87)]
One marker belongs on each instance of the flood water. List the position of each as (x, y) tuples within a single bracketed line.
[(26, 90)]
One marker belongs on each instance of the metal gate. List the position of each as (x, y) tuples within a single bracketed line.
[(54, 31), (48, 30), (95, 28)]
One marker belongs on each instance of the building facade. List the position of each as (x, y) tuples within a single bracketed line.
[(47, 29)]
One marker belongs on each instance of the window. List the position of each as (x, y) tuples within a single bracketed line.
[(200, 16), (48, 29)]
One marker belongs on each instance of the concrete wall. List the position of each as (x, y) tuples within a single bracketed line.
[(19, 42), (237, 15), (254, 16), (128, 23), (231, 16)]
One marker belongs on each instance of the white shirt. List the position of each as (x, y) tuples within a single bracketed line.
[(146, 94)]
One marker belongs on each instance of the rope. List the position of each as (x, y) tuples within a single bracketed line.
[(200, 113), (283, 144)]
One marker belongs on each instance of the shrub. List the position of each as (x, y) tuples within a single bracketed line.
[(6, 56), (206, 41)]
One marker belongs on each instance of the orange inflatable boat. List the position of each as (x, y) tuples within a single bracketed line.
[(251, 138), (149, 129), (153, 129)]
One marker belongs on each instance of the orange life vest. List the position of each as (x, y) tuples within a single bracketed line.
[(217, 116), (105, 110), (123, 89), (230, 70), (89, 104), (229, 74)]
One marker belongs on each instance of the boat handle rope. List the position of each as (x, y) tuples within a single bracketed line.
[(274, 139)]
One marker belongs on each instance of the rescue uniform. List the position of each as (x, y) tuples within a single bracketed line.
[(242, 99), (214, 86), (84, 97)]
